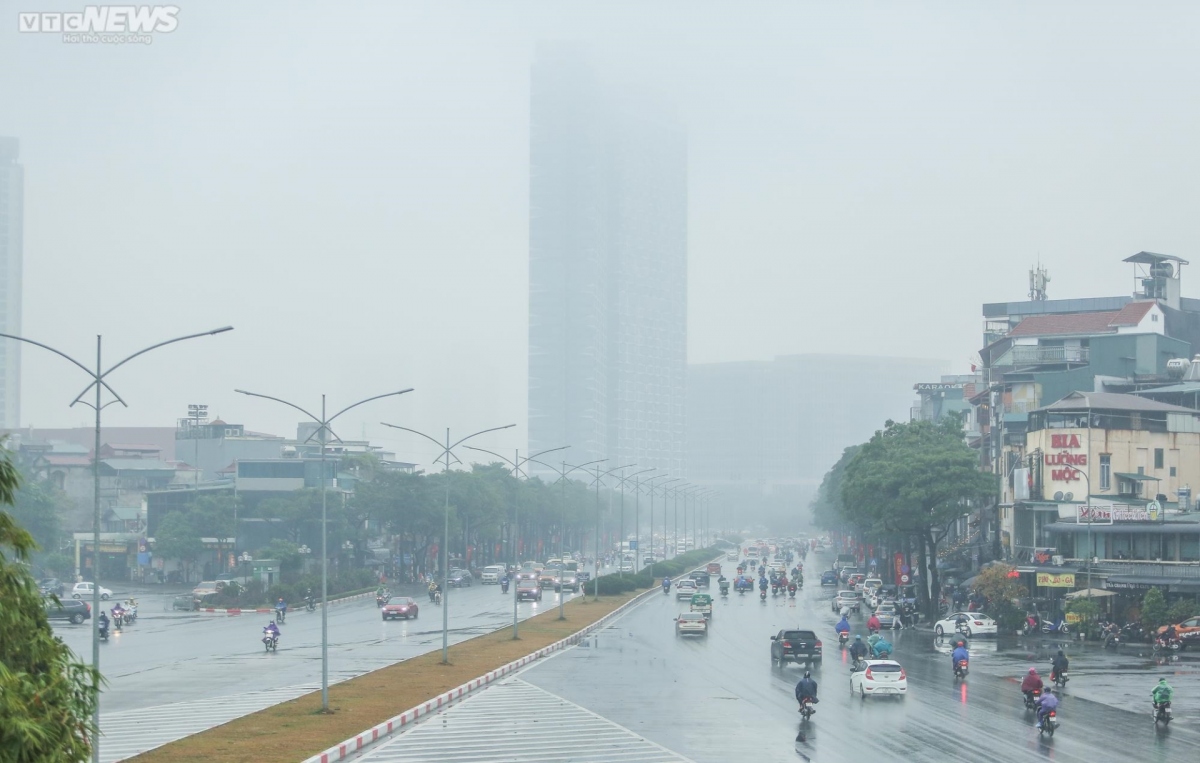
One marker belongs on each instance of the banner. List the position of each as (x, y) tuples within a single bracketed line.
[(1055, 580)]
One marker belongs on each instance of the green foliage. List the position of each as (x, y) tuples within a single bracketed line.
[(1154, 609), (46, 695), (36, 508), (828, 511), (1087, 609), (177, 538), (1003, 594), (1182, 610)]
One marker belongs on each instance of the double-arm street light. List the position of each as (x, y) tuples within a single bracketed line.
[(322, 434), (662, 487), (562, 533), (447, 454), (621, 537), (688, 492), (98, 375), (599, 477), (516, 463)]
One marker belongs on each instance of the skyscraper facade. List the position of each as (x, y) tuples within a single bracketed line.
[(12, 216), (607, 270)]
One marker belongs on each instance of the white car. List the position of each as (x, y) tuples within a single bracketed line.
[(732, 556), (85, 591), (691, 622), (685, 588), (846, 599), (879, 677), (978, 624), (491, 574), (626, 567)]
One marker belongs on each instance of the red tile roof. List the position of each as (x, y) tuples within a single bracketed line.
[(1071, 323), (1132, 314)]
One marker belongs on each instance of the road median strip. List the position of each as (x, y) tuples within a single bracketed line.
[(291, 730)]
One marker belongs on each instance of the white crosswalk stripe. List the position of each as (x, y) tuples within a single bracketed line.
[(516, 721), (124, 735)]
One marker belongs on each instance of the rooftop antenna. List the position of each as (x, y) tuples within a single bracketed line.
[(1038, 278)]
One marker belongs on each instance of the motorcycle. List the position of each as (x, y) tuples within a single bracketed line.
[(504, 586), (792, 590), (1133, 633), (104, 633), (806, 708), (270, 641), (380, 600), (280, 615), (1057, 627), (1060, 679), (118, 619), (1162, 644), (724, 587), (1049, 723), (774, 589), (437, 598), (1162, 713), (960, 670), (666, 589), (762, 595), (843, 637), (310, 604), (1031, 699)]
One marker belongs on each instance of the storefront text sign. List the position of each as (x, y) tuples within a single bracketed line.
[(1117, 513), (1053, 580), (1065, 443)]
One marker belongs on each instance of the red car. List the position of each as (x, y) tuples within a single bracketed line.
[(714, 568), (400, 606)]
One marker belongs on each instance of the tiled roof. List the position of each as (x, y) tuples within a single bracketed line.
[(1070, 323), (1132, 314), (137, 464), (67, 459)]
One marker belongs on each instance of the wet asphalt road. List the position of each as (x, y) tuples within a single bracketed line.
[(167, 657), (720, 698)]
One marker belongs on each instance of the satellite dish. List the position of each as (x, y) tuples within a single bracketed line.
[(1069, 496), (1058, 496)]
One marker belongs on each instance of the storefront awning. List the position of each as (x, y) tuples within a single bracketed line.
[(1136, 528), (1136, 477), (1144, 582)]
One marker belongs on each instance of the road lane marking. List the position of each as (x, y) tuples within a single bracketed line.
[(515, 720)]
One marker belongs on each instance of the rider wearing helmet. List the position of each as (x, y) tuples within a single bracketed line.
[(806, 689), (959, 654), (1059, 665), (1047, 703), (858, 650), (272, 630), (873, 623), (666, 584)]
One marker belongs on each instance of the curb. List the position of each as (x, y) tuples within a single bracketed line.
[(268, 610), (371, 735)]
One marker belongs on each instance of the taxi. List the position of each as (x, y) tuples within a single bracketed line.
[(702, 603)]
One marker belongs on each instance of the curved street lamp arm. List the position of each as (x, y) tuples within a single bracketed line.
[(560, 472), (221, 330), (441, 445), (367, 400), (482, 431), (59, 353), (104, 384), (281, 400), (494, 453), (623, 480)]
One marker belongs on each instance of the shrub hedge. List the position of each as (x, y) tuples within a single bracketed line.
[(615, 582)]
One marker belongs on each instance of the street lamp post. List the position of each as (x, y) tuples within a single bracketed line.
[(516, 465), (599, 477), (322, 434), (98, 382), (562, 478), (447, 454), (1091, 551), (621, 536), (662, 485)]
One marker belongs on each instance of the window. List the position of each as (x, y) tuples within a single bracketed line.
[(1158, 458), (1172, 471), (1105, 471)]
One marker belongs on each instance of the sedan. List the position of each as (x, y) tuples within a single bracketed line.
[(460, 579), (886, 612), (846, 599), (567, 580), (85, 591), (684, 589), (51, 586), (879, 677), (977, 624), (400, 606), (691, 622), (829, 577), (528, 588)]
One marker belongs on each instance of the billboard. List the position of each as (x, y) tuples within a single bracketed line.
[(1056, 580)]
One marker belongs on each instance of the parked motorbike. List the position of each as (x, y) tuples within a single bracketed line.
[(1134, 633), (1031, 699), (1057, 627), (960, 669), (1162, 713), (806, 708)]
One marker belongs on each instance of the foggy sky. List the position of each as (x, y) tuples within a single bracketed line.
[(349, 188)]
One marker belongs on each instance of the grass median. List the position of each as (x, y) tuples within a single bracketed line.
[(295, 730)]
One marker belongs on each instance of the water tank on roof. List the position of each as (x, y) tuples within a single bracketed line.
[(1177, 367), (1162, 270)]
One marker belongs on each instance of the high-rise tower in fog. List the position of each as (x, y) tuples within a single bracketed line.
[(607, 269), (12, 215)]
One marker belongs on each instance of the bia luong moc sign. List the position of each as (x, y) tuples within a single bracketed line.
[(1070, 462)]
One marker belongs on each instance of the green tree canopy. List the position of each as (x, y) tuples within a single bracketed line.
[(46, 695)]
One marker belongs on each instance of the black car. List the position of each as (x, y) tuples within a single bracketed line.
[(703, 579), (459, 578), (795, 646), (68, 609)]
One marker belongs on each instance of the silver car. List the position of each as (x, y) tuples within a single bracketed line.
[(691, 623)]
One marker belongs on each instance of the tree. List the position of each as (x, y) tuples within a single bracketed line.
[(1154, 609), (916, 478), (1182, 610), (35, 508), (827, 506), (46, 696), (1003, 592), (177, 538)]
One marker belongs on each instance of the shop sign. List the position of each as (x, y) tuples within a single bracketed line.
[(1074, 617), (1118, 513), (933, 386), (1120, 585), (1055, 580)]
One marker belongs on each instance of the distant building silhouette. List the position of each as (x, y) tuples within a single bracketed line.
[(12, 216)]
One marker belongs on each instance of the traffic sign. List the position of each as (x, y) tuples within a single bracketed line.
[(903, 579)]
